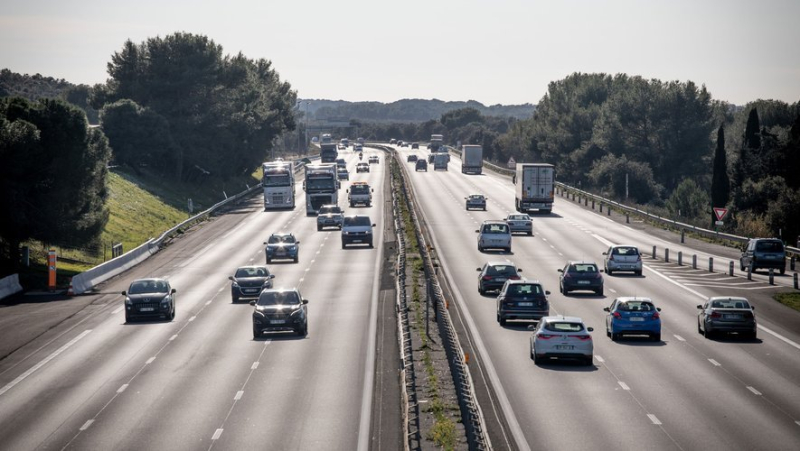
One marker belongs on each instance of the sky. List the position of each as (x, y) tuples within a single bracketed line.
[(492, 51)]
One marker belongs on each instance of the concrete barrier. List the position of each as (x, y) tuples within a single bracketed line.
[(9, 285), (87, 280)]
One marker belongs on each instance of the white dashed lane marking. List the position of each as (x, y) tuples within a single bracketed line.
[(755, 392)]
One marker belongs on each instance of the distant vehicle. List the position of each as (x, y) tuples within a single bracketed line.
[(342, 146), (374, 159), (360, 141), (328, 153), (580, 275), (278, 184), (494, 235), (415, 145), (727, 314), (149, 298), (633, 316), (440, 160), (562, 337), (344, 142), (326, 138), (763, 253), (359, 194), (341, 163), (622, 258), (248, 281), (436, 142), (342, 174), (430, 158), (362, 167), (282, 246), (472, 159), (357, 230), (520, 223), (358, 147), (411, 158), (279, 310), (330, 216), (534, 187), (522, 299), (475, 201), (392, 141), (321, 185), (494, 274), (421, 165)]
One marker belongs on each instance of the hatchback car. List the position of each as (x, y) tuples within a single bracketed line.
[(341, 163), (764, 253), (520, 223), (357, 230), (580, 276), (633, 316), (415, 145), (622, 258), (282, 246), (330, 216), (494, 235), (474, 201), (362, 167), (374, 159), (342, 174), (522, 299), (248, 281), (149, 298), (492, 275), (562, 337), (421, 165), (727, 314), (280, 310), (411, 158)]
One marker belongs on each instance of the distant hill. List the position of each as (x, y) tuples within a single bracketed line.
[(405, 110), (33, 87)]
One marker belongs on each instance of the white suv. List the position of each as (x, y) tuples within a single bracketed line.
[(357, 230)]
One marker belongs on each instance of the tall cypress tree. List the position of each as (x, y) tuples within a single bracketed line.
[(752, 133), (720, 184)]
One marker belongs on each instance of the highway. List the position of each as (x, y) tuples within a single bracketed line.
[(685, 392), (202, 381)]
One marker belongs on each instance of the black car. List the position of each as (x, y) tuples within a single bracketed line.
[(727, 314), (279, 310), (522, 299), (415, 145), (493, 275), (764, 253), (149, 298), (421, 165), (581, 276), (411, 158), (248, 281)]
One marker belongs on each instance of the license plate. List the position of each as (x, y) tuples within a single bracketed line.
[(584, 282), (565, 347), (251, 290), (731, 316), (500, 279), (147, 309), (636, 318), (277, 321), (525, 304), (280, 251)]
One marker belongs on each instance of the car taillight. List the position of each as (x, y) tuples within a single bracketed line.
[(638, 257), (581, 337), (567, 276), (748, 314), (616, 315), (715, 314), (514, 278), (656, 315), (598, 276), (487, 277), (547, 336), (611, 258)]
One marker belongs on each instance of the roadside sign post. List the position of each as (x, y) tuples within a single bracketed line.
[(719, 213), (51, 269)]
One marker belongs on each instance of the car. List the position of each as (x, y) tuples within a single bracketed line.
[(476, 201), (520, 223), (723, 314), (341, 163), (342, 146), (282, 246), (493, 275), (580, 275), (342, 174), (633, 316), (358, 147), (392, 141), (494, 235), (280, 309), (248, 281), (411, 158), (622, 258), (357, 229), (362, 167), (415, 145), (561, 337), (374, 159), (431, 157), (330, 216), (421, 165), (149, 298), (522, 299), (768, 253), (360, 193)]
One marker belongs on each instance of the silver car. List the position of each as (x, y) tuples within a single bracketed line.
[(562, 337), (623, 258), (477, 201), (494, 235), (520, 223)]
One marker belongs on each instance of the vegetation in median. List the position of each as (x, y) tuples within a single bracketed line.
[(791, 300)]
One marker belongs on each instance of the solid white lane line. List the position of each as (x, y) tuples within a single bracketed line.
[(679, 338), (209, 301), (797, 423), (216, 435), (612, 290), (122, 388), (238, 395), (150, 360), (117, 311), (599, 359), (173, 337), (254, 365), (623, 385), (653, 419), (192, 318), (755, 392), (714, 362), (86, 425), (44, 362)]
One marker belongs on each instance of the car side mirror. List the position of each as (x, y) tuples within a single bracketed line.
[(560, 270), (606, 309), (531, 327), (590, 329), (547, 293), (272, 276), (658, 309), (373, 225), (347, 191), (253, 302), (519, 270), (265, 242), (752, 307), (602, 270), (297, 242), (372, 190), (173, 291), (477, 231), (700, 307), (230, 277), (305, 301), (124, 293), (605, 253), (476, 269)]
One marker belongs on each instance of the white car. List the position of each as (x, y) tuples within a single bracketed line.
[(520, 223), (357, 230), (623, 258), (562, 337), (494, 235)]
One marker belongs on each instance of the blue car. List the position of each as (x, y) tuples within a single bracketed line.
[(282, 246), (633, 316)]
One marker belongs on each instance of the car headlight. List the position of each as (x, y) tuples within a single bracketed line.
[(258, 313), (165, 302), (235, 284), (128, 301)]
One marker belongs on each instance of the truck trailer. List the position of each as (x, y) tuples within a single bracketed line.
[(472, 159), (534, 188)]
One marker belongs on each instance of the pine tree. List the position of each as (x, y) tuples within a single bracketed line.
[(720, 184), (752, 134)]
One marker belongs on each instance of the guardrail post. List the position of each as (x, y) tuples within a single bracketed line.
[(654, 249), (710, 264), (666, 255), (791, 263), (795, 281), (680, 258), (749, 272), (771, 276), (585, 201), (608, 209), (573, 196), (592, 204), (683, 233), (694, 261), (601, 207), (730, 269), (627, 218)]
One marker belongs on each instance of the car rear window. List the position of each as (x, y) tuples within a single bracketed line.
[(583, 268), (520, 289), (636, 306), (563, 326), (769, 246), (625, 251), (518, 218), (501, 270), (731, 303), (495, 228)]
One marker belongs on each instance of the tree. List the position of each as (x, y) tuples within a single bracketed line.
[(720, 184), (752, 134), (56, 186), (688, 200)]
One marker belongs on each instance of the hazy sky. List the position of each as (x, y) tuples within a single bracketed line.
[(492, 51)]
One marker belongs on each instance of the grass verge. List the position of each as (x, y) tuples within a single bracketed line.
[(791, 300)]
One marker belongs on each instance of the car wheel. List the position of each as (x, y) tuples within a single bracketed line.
[(369, 204), (172, 315), (502, 321), (699, 329), (303, 331), (370, 245), (498, 317), (256, 333), (783, 270), (296, 258), (706, 332), (480, 248), (753, 335), (638, 273), (343, 245), (533, 355), (608, 333), (508, 249), (609, 272), (319, 228), (234, 299), (530, 233), (269, 260), (656, 337), (588, 360), (741, 265), (482, 291), (614, 336), (128, 318), (599, 292)]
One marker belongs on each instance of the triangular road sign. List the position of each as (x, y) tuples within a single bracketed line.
[(720, 213)]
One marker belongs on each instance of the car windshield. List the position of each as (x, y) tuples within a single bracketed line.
[(332, 209), (731, 303), (278, 239), (583, 268), (278, 298), (563, 326), (148, 286), (259, 271), (636, 306), (769, 246), (359, 189), (625, 251), (501, 270), (495, 228), (524, 289), (357, 221)]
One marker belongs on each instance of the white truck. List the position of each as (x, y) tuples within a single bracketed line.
[(471, 159), (436, 142), (321, 186), (440, 160), (534, 188), (278, 184), (359, 193)]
